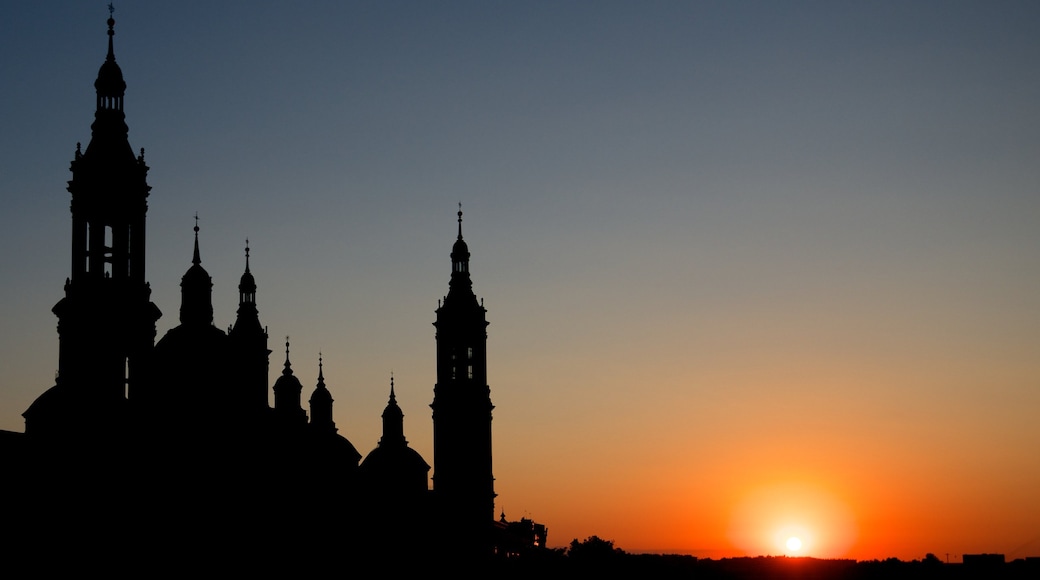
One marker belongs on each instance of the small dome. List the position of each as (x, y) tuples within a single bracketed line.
[(321, 395), (395, 459), (196, 296), (196, 276), (110, 81), (288, 381), (247, 283)]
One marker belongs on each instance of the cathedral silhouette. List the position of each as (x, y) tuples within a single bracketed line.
[(169, 451)]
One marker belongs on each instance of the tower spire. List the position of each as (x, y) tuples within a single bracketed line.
[(195, 259), (321, 404), (287, 390), (393, 420), (111, 32), (460, 287), (196, 289), (249, 338), (460, 220)]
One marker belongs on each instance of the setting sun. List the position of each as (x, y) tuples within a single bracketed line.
[(792, 518)]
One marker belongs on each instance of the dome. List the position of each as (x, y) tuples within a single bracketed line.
[(288, 382), (196, 290), (110, 81), (321, 395), (196, 276), (196, 296), (247, 283), (396, 459), (343, 449)]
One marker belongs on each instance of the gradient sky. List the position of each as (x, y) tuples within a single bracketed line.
[(753, 269)]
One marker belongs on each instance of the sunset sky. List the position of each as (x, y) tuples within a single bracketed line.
[(754, 269)]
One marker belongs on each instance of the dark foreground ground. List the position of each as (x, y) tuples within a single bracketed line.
[(621, 565)]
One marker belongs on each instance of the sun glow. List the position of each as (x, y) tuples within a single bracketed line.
[(792, 519)]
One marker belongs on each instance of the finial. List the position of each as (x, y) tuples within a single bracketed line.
[(392, 396), (460, 220), (321, 374), (195, 259), (247, 255), (111, 31), (288, 367)]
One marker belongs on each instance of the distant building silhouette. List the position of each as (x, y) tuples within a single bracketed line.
[(175, 442)]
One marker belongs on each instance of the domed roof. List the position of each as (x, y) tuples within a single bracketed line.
[(247, 284), (321, 394), (201, 347), (343, 449), (395, 459), (110, 81), (288, 380), (196, 276), (196, 290), (460, 250)]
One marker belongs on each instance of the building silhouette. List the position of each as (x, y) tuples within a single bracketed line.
[(169, 451)]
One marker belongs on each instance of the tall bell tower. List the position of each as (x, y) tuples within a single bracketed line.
[(462, 481), (106, 321)]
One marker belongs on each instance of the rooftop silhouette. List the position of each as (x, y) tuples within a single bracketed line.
[(150, 450)]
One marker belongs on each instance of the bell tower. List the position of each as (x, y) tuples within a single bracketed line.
[(462, 481), (106, 321)]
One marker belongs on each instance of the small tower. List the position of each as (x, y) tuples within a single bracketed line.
[(196, 290), (393, 421), (287, 391), (106, 321), (321, 405), (462, 478), (191, 372), (249, 345), (395, 482), (394, 471)]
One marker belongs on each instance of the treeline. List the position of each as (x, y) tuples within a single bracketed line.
[(595, 556)]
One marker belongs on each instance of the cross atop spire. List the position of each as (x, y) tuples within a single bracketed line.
[(460, 220), (195, 259), (288, 365), (111, 32)]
